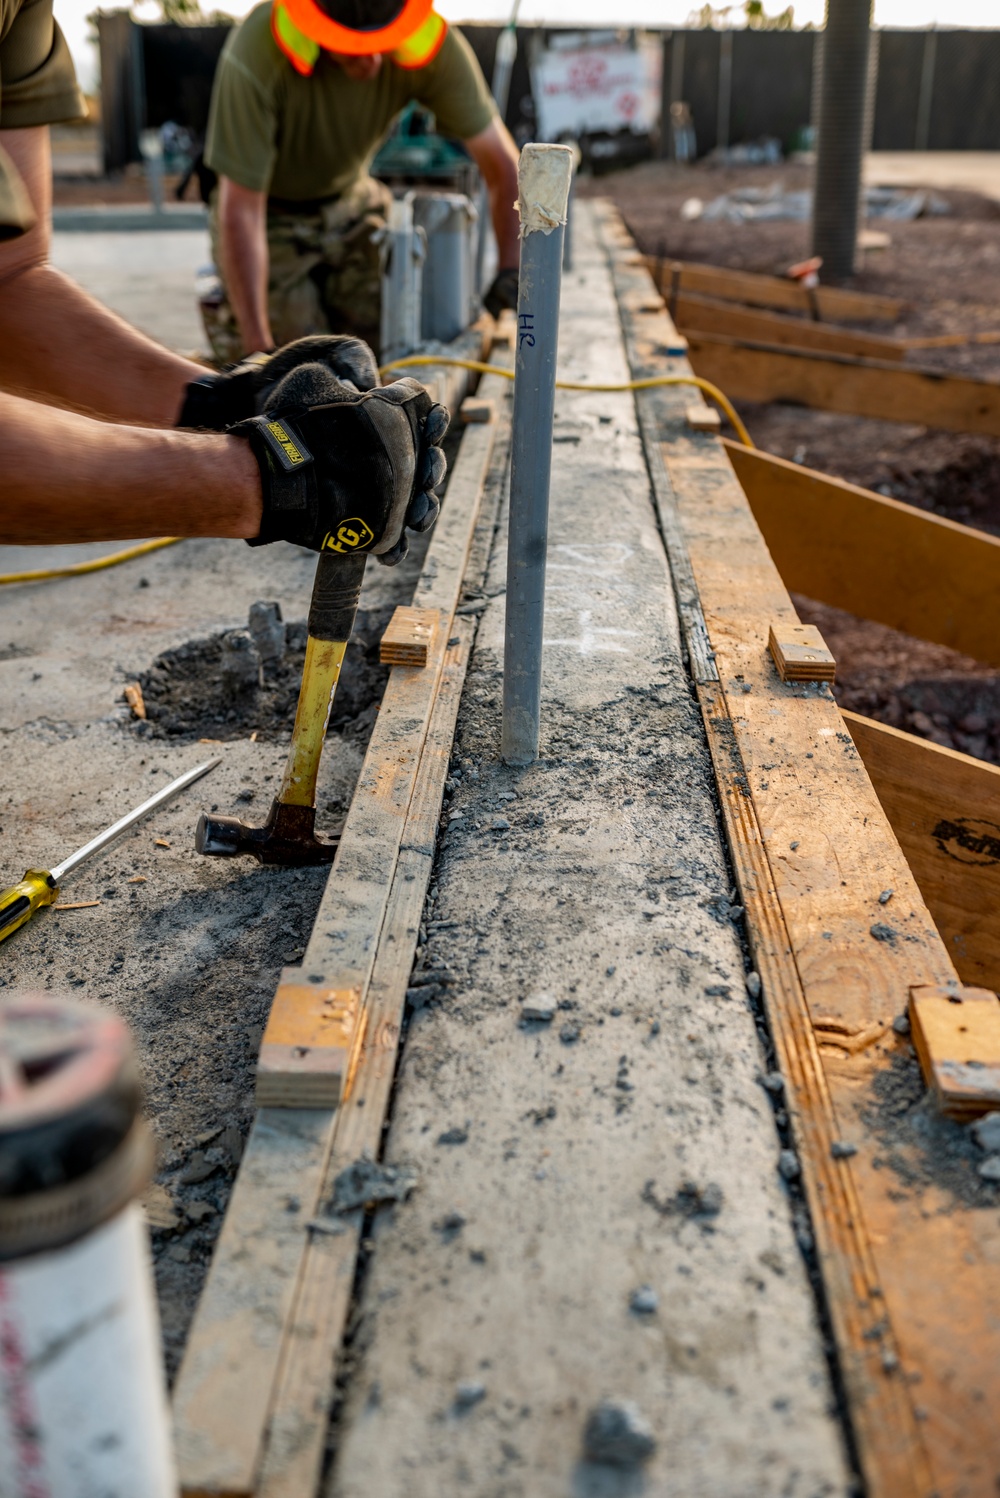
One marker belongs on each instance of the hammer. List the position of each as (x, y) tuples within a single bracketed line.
[(289, 835)]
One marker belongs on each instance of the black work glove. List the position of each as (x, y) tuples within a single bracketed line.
[(503, 292), (218, 401), (345, 471)]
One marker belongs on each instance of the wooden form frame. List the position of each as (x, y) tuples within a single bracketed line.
[(945, 810), (831, 303), (702, 314), (858, 387), (912, 1295), (874, 556), (252, 1396)]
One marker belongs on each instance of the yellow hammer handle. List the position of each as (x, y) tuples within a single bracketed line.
[(19, 904)]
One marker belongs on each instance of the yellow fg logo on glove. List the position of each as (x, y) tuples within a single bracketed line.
[(350, 535)]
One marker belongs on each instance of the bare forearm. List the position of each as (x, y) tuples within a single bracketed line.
[(503, 194), (59, 345), (104, 368), (64, 477), (245, 261)]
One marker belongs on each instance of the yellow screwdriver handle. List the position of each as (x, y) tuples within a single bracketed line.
[(19, 904)]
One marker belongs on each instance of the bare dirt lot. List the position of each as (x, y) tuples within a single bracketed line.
[(947, 269)]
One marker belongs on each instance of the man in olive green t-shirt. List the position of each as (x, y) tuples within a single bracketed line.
[(304, 93)]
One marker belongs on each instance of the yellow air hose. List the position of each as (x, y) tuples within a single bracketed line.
[(705, 386), (78, 569)]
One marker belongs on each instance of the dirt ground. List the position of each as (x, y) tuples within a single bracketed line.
[(947, 269)]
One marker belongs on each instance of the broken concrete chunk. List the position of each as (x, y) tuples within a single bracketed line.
[(841, 1150), (468, 1393), (986, 1132), (240, 665), (644, 1301), (690, 1200), (788, 1165), (267, 630), (990, 1168), (618, 1434), (365, 1184), (198, 1168), (540, 1007), (161, 1211)]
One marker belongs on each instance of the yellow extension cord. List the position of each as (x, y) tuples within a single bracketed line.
[(78, 569), (705, 386)]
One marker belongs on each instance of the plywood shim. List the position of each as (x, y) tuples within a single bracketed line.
[(305, 1054), (702, 418), (408, 637), (799, 652), (957, 1037)]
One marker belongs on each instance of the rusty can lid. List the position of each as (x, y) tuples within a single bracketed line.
[(73, 1146)]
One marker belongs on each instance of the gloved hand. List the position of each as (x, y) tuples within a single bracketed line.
[(346, 471), (503, 292), (218, 401)]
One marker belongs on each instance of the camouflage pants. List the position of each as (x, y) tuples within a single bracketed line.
[(324, 274)]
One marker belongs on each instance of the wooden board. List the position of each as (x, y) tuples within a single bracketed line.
[(874, 556), (957, 1036), (945, 809), (907, 1262), (226, 1384), (799, 652), (831, 303), (860, 387), (297, 1431), (408, 637), (702, 314)]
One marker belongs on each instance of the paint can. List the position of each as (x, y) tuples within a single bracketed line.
[(82, 1399)]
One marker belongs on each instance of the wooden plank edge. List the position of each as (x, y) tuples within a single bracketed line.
[(304, 1388), (879, 1403)]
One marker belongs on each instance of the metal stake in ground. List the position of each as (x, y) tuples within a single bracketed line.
[(842, 117), (543, 179)]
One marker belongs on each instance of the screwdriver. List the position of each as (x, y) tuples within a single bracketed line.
[(41, 886)]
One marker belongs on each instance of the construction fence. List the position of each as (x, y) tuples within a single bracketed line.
[(935, 90)]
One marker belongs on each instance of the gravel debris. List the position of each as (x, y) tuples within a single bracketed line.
[(364, 1184), (986, 1132), (618, 1435), (788, 1165), (841, 1150), (644, 1301), (540, 1007)]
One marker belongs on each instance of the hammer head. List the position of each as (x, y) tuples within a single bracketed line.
[(287, 837)]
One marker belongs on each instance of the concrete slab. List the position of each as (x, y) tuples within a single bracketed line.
[(975, 171), (146, 276), (599, 1211)]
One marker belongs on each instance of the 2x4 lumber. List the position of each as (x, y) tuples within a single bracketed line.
[(906, 1263), (874, 556), (226, 1382), (831, 303), (857, 387), (702, 314), (945, 810), (297, 1429)]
